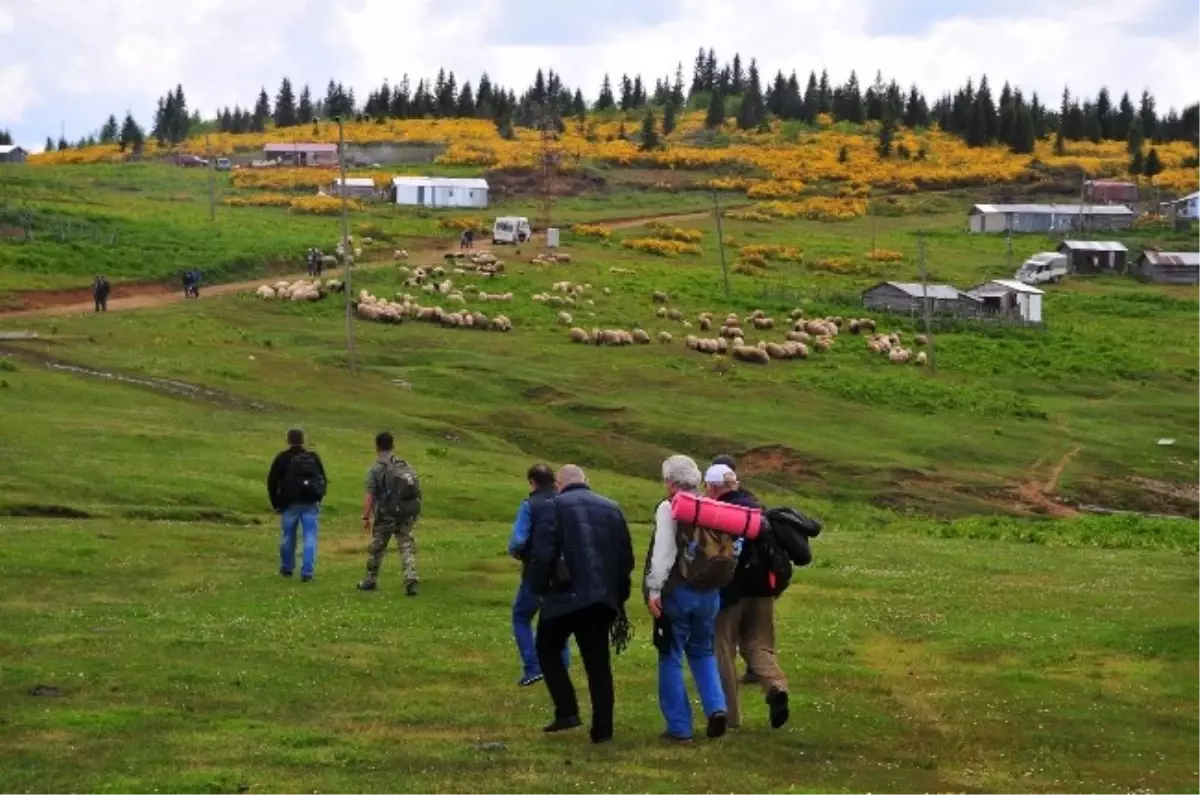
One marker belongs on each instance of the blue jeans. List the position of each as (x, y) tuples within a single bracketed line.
[(304, 516), (693, 616), (525, 607)]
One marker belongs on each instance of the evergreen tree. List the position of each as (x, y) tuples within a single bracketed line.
[(777, 94), (6, 138), (824, 94), (1135, 138), (1153, 165), (1091, 123), (1124, 118), (916, 113), (711, 74), (649, 131), (1060, 147), (626, 93), (578, 106), (677, 95), (1147, 115), (1023, 139), (49, 144), (844, 154), (262, 111), (716, 111), (850, 106), (737, 80), (132, 136), (304, 111), (668, 120), (63, 145), (108, 133), (285, 105), (794, 107), (1039, 117), (605, 101), (401, 105), (985, 116), (1105, 120), (484, 97), (465, 107), (874, 100), (887, 129), (1007, 121), (1137, 163), (698, 71)]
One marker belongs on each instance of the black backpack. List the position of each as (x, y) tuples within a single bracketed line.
[(400, 496), (303, 481), (764, 566)]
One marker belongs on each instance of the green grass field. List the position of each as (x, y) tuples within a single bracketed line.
[(954, 633)]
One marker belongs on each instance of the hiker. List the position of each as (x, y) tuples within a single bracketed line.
[(318, 263), (685, 567), (310, 262), (581, 563), (464, 240), (748, 678), (393, 499), (296, 485), (526, 604), (100, 291), (747, 617), (196, 283), (187, 284)]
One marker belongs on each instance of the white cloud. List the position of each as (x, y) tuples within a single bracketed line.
[(81, 59)]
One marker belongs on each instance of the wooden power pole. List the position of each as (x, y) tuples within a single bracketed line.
[(347, 254), (925, 301)]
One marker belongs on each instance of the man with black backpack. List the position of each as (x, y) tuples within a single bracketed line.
[(296, 485), (393, 499)]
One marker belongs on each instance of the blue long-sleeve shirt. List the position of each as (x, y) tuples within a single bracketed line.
[(522, 526)]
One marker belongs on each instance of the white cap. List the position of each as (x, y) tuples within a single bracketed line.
[(717, 473)]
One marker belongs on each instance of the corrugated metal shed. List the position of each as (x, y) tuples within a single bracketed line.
[(1191, 258), (938, 292), (1016, 286), (288, 147), (355, 182), (442, 182), (1052, 209), (1092, 245)]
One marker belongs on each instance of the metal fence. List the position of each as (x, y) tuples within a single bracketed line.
[(22, 226)]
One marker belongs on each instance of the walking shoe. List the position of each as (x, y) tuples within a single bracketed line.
[(526, 681), (305, 578), (749, 678), (717, 723), (561, 724), (284, 573), (366, 585), (777, 701), (410, 589), (599, 739), (674, 738)]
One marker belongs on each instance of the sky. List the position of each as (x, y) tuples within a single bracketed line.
[(66, 64)]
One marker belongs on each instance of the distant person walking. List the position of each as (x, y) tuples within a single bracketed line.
[(685, 569), (296, 485), (581, 565), (527, 603), (100, 290), (748, 678), (393, 500)]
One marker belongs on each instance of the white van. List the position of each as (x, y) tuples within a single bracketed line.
[(1047, 266), (511, 229)]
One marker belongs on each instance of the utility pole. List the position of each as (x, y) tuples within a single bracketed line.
[(346, 253), (1008, 245), (212, 189), (871, 211), (721, 242), (925, 301)]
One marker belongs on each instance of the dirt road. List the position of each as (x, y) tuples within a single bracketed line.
[(143, 295)]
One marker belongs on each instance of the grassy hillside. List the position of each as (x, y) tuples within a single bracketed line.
[(964, 627)]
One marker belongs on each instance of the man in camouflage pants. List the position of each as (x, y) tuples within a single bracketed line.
[(388, 522)]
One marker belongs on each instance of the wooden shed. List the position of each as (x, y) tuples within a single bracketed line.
[(1094, 256), (1168, 267), (908, 298)]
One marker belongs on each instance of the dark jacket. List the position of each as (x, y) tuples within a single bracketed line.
[(596, 548), (731, 593), (535, 498), (101, 289), (279, 467)]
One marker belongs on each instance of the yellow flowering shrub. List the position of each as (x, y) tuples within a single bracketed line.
[(588, 230), (258, 200), (322, 204), (750, 215), (664, 231), (885, 255), (776, 189), (661, 248), (462, 223), (834, 265), (773, 252)]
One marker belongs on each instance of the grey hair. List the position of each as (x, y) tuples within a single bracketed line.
[(682, 472), (570, 475)]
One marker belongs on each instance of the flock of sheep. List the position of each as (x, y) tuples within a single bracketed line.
[(300, 290), (370, 307)]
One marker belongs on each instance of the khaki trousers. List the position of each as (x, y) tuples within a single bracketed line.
[(750, 625)]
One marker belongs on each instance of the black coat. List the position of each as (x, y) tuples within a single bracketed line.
[(279, 467), (596, 548)]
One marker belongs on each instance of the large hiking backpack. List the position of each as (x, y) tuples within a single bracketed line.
[(401, 497), (706, 558), (303, 481), (764, 565)]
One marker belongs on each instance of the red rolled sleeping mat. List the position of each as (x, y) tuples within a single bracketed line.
[(725, 517)]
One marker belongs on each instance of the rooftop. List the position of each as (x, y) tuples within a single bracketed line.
[(1016, 286), (1188, 258), (1092, 245), (294, 147), (470, 183), (6, 148), (356, 182), (938, 292), (1052, 209)]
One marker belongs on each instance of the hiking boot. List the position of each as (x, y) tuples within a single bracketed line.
[(749, 678), (410, 589), (600, 739), (306, 578), (527, 681), (777, 702), (284, 573), (366, 585), (674, 738), (717, 723), (561, 724)]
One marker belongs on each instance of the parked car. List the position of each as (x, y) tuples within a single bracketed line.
[(223, 164), (190, 161), (511, 229), (1047, 266)]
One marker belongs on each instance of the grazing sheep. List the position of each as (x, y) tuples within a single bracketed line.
[(328, 261), (264, 292), (796, 314), (854, 326), (674, 314), (661, 313), (921, 339), (922, 359), (776, 351), (898, 356), (823, 344), (660, 297), (456, 298), (753, 355), (358, 253), (664, 337), (607, 291), (399, 254), (729, 332), (564, 318), (578, 335), (756, 314), (762, 323), (641, 337), (705, 323)]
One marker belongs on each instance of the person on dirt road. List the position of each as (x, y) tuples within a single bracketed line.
[(296, 486), (100, 290), (527, 604), (393, 500)]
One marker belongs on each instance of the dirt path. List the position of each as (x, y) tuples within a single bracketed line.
[(144, 295), (1038, 494)]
